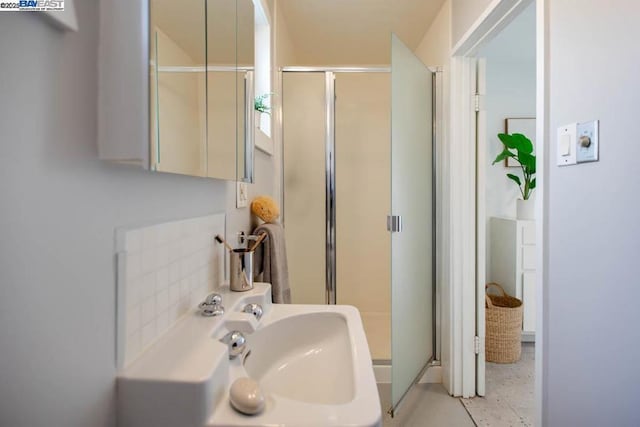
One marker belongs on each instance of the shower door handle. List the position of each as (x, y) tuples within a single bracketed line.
[(394, 223)]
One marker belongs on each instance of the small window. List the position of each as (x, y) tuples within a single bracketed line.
[(262, 72)]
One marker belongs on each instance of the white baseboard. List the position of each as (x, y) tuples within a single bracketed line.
[(433, 375), (382, 373)]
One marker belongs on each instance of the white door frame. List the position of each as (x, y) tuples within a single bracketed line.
[(481, 221), (461, 375), (462, 194)]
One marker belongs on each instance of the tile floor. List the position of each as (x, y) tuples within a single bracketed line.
[(509, 399), (426, 405)]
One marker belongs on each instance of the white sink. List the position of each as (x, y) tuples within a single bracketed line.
[(314, 365), (311, 361), (305, 357)]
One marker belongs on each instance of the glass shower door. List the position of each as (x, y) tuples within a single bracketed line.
[(411, 199), (363, 189), (337, 129), (304, 130)]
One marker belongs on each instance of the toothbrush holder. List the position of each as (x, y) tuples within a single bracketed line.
[(241, 270)]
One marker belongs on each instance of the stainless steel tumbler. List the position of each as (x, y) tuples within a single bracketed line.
[(241, 270)]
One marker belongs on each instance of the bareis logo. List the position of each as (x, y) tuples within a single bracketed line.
[(41, 3), (31, 5)]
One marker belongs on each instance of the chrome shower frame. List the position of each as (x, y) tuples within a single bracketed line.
[(330, 163), (330, 200)]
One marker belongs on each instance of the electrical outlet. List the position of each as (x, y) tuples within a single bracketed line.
[(241, 195)]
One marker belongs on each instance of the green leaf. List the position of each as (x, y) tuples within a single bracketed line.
[(532, 169), (522, 143), (507, 140), (532, 185), (527, 160), (515, 178), (506, 153)]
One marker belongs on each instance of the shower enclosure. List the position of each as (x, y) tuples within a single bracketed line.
[(339, 151), (358, 155)]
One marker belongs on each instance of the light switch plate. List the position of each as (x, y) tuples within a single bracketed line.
[(241, 194), (566, 144), (588, 142)]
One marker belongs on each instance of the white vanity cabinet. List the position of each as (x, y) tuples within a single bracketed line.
[(512, 264)]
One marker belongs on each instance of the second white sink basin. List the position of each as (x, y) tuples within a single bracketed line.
[(314, 367), (306, 357)]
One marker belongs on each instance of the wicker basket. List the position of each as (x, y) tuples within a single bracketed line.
[(503, 327)]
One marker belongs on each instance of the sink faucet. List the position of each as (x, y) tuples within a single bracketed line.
[(255, 309), (236, 342), (212, 306)]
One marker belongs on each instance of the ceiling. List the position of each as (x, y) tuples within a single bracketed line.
[(352, 32), (323, 32)]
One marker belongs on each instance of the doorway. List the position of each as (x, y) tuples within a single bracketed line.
[(468, 205), (505, 243)]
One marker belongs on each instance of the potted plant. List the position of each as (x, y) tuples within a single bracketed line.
[(261, 107), (520, 148)]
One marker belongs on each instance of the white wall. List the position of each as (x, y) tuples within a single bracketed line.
[(434, 49), (593, 239), (464, 14), (283, 54), (60, 206), (511, 92)]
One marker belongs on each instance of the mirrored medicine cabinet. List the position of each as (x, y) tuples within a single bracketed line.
[(176, 88)]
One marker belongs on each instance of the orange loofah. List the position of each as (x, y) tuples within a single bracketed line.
[(265, 208)]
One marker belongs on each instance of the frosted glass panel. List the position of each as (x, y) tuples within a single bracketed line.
[(304, 121), (363, 194), (411, 187)]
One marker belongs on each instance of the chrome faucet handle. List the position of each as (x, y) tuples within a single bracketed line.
[(237, 343), (212, 306), (213, 299), (255, 309)]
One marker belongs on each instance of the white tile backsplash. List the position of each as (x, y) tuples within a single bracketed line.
[(164, 271)]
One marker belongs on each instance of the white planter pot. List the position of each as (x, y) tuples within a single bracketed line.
[(257, 118), (526, 209)]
